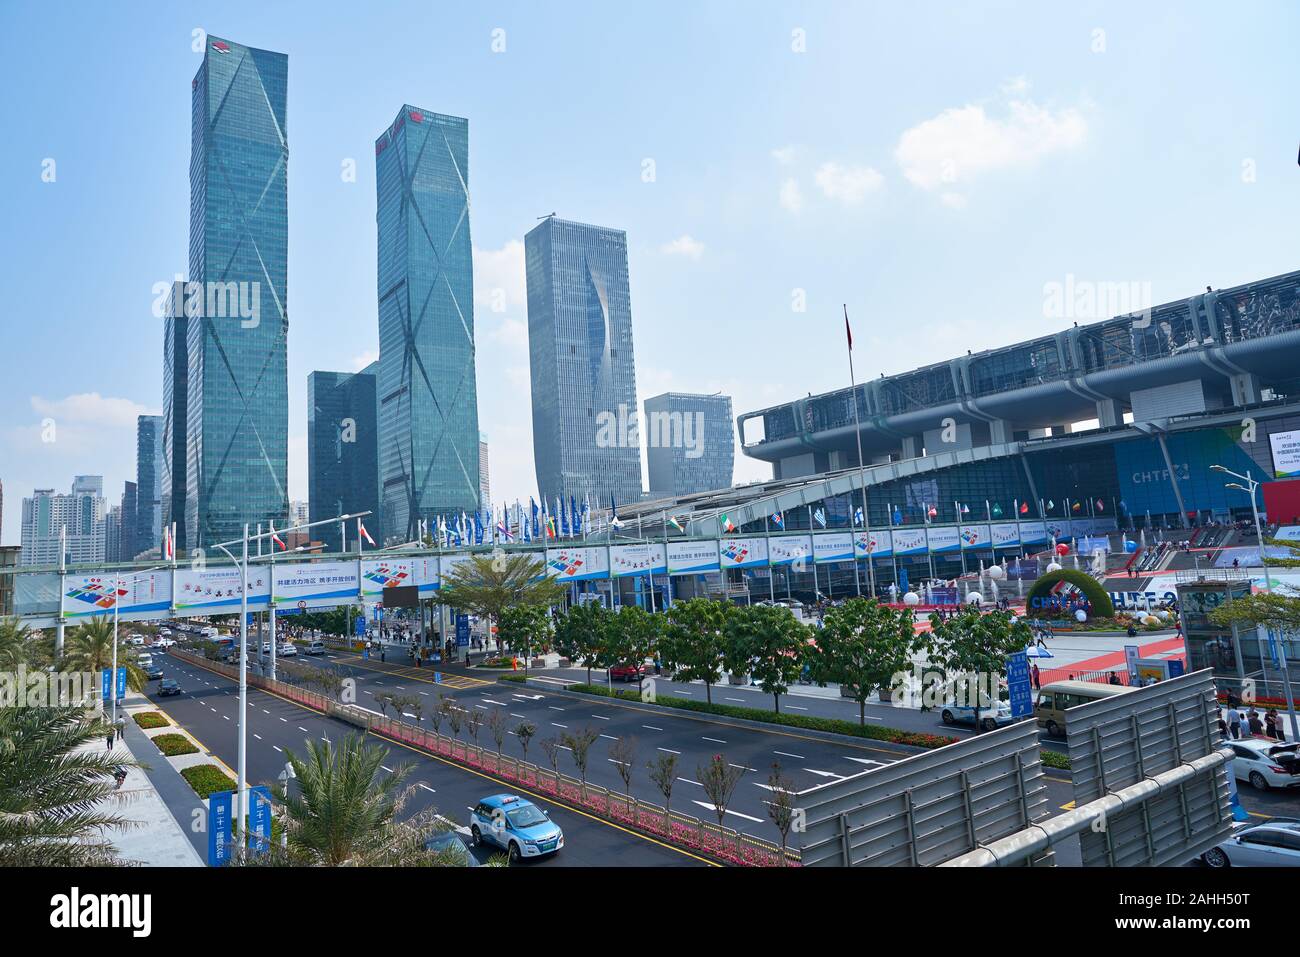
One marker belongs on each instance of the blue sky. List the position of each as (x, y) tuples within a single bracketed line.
[(934, 166)]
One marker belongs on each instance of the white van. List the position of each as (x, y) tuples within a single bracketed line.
[(315, 647)]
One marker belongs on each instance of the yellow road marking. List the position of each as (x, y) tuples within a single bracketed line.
[(459, 682), (210, 753)]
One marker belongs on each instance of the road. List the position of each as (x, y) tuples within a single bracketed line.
[(208, 709)]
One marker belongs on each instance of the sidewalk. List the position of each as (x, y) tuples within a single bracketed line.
[(155, 805)]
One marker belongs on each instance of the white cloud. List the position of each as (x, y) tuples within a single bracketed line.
[(359, 362), (848, 184), (953, 200), (499, 283), (511, 332), (91, 408), (683, 246), (792, 196), (963, 142), (786, 155)]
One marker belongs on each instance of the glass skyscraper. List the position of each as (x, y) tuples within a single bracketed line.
[(585, 437), (342, 448), (689, 444), (428, 398), (237, 408), (175, 399), (148, 481)]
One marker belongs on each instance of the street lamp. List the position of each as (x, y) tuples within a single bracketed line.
[(1250, 487), (241, 786)]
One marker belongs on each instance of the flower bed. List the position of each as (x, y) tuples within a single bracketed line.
[(207, 779), (174, 744), (149, 720)]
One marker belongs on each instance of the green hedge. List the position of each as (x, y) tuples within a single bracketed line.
[(150, 719), (1055, 759), (174, 744), (206, 779)]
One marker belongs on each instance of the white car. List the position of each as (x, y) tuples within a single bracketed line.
[(286, 651), (164, 633), (1273, 843), (165, 642), (1266, 763)]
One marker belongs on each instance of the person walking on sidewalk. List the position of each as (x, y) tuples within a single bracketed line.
[(109, 739)]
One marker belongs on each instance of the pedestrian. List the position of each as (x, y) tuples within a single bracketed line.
[(1270, 723), (383, 653), (1113, 678), (121, 727), (1233, 717), (1035, 676), (109, 742), (1252, 721)]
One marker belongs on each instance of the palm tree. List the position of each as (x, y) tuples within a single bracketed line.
[(51, 784), (16, 643), (90, 648), (487, 585), (344, 810)]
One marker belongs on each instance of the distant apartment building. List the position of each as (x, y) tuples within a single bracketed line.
[(484, 483), (689, 444), (79, 514), (148, 483)]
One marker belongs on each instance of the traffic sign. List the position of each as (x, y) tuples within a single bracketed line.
[(1020, 685), (462, 631)]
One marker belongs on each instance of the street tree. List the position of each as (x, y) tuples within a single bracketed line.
[(17, 643), (582, 635), (473, 722), (551, 748), (486, 585), (663, 773), (623, 753), (496, 722), (1277, 610), (525, 629), (971, 649), (773, 642), (89, 647), (524, 732), (579, 744), (719, 780), (692, 642), (781, 804), (633, 637), (863, 646)]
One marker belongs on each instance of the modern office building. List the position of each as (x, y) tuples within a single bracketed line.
[(484, 483), (299, 511), (689, 443), (342, 449), (80, 514), (148, 481), (428, 398), (585, 437), (128, 521), (237, 401), (10, 556), (175, 401)]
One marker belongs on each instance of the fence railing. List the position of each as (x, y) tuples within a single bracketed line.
[(682, 830)]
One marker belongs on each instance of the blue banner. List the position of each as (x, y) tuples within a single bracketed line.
[(462, 631), (220, 811), (259, 827), (105, 683)]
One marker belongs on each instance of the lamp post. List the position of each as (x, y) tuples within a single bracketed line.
[(241, 786), (1250, 487)]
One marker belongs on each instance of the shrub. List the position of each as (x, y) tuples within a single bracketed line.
[(206, 779), (174, 744), (1099, 602), (1055, 759), (150, 719)]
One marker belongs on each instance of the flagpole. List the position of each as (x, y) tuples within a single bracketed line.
[(771, 575), (862, 472)]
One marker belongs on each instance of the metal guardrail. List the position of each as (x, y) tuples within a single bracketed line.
[(684, 830)]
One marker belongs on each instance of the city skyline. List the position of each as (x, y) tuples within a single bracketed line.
[(1067, 108)]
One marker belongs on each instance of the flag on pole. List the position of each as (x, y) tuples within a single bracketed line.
[(614, 521), (726, 524), (857, 515), (1075, 507), (361, 528), (997, 510), (965, 509), (675, 522), (1024, 508), (848, 330), (1101, 506), (169, 547), (820, 516), (778, 520), (279, 541)]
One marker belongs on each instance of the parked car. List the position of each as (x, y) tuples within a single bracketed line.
[(516, 825), (168, 686), (453, 844), (1270, 844), (629, 672), (1266, 763)]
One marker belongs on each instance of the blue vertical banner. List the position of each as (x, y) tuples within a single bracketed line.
[(259, 827), (1019, 685), (106, 683), (462, 631), (220, 811)]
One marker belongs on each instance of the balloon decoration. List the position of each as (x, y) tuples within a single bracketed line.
[(996, 573), (1130, 546), (1053, 567), (1080, 615), (911, 598), (1062, 549), (974, 598)]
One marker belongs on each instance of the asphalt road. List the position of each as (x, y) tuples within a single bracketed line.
[(208, 708)]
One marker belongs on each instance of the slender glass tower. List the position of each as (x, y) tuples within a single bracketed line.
[(428, 398), (585, 436), (237, 408), (342, 449)]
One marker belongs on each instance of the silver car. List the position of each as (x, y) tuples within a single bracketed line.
[(1274, 843)]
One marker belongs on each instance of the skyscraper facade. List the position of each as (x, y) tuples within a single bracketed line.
[(148, 481), (128, 519), (484, 483), (342, 449), (428, 398), (80, 514), (689, 444), (237, 403), (585, 436), (175, 401)]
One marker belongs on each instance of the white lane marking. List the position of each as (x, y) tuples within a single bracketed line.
[(651, 727), (426, 694), (714, 740), (426, 787), (285, 720), (787, 754), (564, 726), (742, 767), (825, 774), (258, 736), (264, 711), (669, 750), (278, 748), (226, 716), (407, 714), (610, 736), (714, 809), (301, 728), (795, 707), (600, 716), (513, 715), (386, 768), (879, 764), (553, 708), (491, 701), (612, 761), (733, 699), (689, 781)]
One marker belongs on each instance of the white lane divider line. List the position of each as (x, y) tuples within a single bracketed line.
[(651, 727), (787, 754), (714, 809), (714, 740), (669, 750)]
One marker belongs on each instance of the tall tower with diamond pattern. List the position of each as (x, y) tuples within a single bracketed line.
[(238, 409), (428, 398)]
